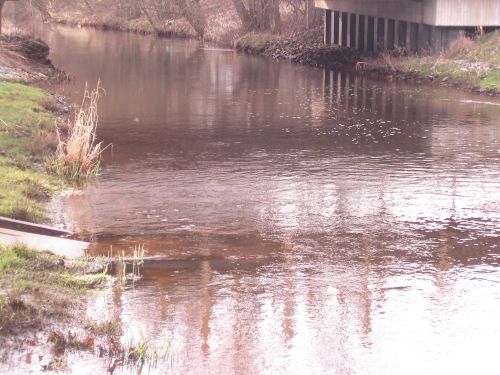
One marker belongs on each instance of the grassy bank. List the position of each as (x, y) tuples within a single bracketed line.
[(41, 297), (471, 64), (43, 303), (39, 288), (39, 151), (27, 138)]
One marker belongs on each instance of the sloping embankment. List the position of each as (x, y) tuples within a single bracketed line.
[(468, 64), (23, 58)]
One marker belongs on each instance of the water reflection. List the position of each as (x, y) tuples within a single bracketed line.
[(304, 221)]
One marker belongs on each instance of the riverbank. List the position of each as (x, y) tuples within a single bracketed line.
[(29, 118), (305, 48), (46, 322), (221, 25), (42, 295), (28, 138), (468, 64), (25, 59)]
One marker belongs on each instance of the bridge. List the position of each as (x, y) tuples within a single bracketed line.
[(415, 25)]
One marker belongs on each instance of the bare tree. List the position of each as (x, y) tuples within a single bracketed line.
[(2, 2), (89, 7), (193, 12), (259, 15), (148, 16), (39, 5)]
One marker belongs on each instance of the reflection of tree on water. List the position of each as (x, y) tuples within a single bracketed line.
[(206, 302)]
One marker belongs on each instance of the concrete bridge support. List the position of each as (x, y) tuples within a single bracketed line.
[(370, 33), (413, 25)]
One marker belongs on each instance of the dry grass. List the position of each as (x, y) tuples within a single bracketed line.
[(461, 46), (78, 154)]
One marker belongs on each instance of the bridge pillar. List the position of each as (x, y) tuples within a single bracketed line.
[(341, 36), (356, 32), (420, 37), (336, 29), (366, 34), (327, 37), (408, 37), (348, 28), (332, 28), (386, 33), (396, 33)]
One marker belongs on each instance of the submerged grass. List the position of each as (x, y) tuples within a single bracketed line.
[(42, 295)]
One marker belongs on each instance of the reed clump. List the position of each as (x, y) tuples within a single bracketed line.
[(78, 153)]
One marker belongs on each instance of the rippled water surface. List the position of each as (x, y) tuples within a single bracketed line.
[(305, 222)]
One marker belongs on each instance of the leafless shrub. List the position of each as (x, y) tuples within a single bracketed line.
[(461, 46), (387, 58)]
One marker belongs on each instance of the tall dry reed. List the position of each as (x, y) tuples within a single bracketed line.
[(78, 153)]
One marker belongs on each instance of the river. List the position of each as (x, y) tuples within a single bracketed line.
[(304, 221)]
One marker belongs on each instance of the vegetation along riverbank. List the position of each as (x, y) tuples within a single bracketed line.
[(472, 64), (289, 30), (28, 129), (43, 297)]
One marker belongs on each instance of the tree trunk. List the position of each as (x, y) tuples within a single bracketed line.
[(1, 7), (243, 14), (148, 16), (276, 17), (194, 14), (89, 7), (308, 14)]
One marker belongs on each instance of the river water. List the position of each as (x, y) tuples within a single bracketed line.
[(304, 221)]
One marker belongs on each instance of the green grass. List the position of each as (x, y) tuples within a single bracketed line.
[(25, 106), (450, 65), (27, 138), (491, 80), (254, 42), (36, 286), (487, 49)]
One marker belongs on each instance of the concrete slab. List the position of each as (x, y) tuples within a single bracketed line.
[(24, 226), (67, 248)]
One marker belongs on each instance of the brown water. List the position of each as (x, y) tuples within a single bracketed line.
[(308, 222)]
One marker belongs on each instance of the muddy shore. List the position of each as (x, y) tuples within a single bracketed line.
[(25, 59)]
